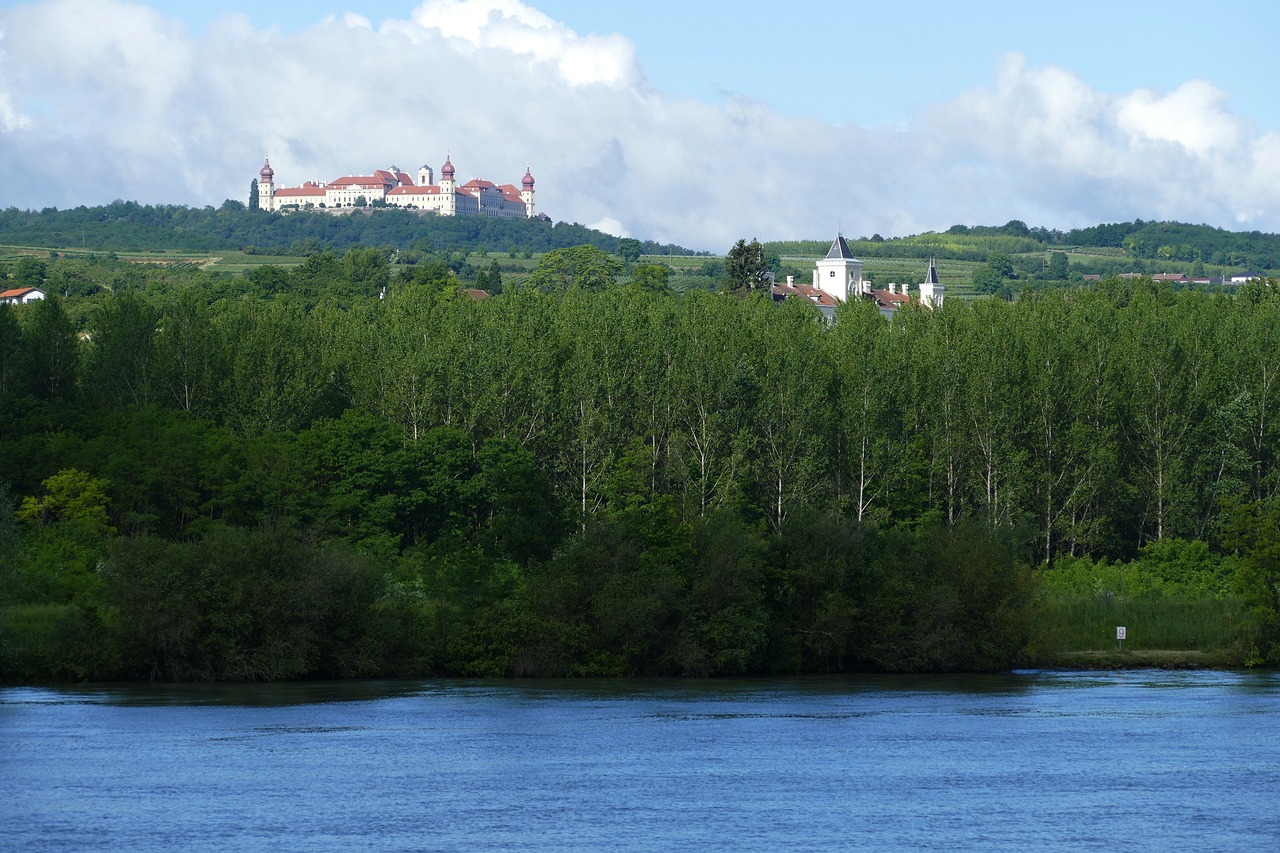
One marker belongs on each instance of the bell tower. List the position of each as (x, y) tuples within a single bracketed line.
[(839, 273), (266, 185), (526, 191), (448, 188)]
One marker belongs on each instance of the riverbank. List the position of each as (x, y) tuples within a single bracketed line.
[(1139, 659)]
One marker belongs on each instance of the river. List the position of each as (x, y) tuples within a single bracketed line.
[(1067, 761)]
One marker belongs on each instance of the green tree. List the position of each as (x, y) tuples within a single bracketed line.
[(69, 528), (654, 278), (584, 267), (31, 272), (495, 278), (629, 249), (120, 362), (745, 267), (11, 346), (1059, 267), (53, 353), (869, 408), (367, 270), (253, 195), (70, 496), (1251, 530), (991, 278), (281, 375), (190, 355)]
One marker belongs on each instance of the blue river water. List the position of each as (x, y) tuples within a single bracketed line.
[(1024, 761)]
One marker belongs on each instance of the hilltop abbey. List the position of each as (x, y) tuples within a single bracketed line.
[(395, 188)]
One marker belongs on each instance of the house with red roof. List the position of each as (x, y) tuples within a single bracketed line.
[(393, 187), (21, 295)]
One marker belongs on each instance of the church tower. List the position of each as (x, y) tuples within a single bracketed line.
[(839, 273), (931, 290), (526, 191), (448, 188), (426, 176), (266, 185)]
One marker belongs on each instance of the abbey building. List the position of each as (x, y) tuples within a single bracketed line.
[(395, 188)]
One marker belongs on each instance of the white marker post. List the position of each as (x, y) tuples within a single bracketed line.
[(1120, 636)]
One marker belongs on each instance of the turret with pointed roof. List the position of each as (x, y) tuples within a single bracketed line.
[(839, 273), (931, 290), (840, 249)]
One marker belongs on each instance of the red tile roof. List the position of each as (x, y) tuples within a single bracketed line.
[(300, 191), (17, 293), (364, 182), (804, 291), (890, 300), (414, 189)]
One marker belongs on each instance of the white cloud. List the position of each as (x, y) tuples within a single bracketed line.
[(102, 99), (511, 26), (609, 225)]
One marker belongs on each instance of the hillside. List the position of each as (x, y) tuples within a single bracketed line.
[(126, 226), (972, 260)]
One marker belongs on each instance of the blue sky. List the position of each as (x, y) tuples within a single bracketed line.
[(693, 122)]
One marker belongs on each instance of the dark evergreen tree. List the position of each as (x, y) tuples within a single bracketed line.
[(745, 267)]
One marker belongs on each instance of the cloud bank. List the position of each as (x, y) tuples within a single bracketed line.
[(106, 99)]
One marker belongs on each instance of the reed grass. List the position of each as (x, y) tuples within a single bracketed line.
[(1067, 623)]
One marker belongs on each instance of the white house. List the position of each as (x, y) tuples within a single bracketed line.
[(1245, 277), (21, 295)]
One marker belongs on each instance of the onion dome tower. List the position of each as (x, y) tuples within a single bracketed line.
[(448, 188), (526, 191), (266, 185)]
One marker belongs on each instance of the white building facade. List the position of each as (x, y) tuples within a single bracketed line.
[(396, 188)]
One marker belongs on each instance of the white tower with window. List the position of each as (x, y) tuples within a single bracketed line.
[(839, 274)]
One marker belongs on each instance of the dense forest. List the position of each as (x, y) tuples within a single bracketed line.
[(589, 476), (126, 226)]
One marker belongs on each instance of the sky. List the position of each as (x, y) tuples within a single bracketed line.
[(686, 122)]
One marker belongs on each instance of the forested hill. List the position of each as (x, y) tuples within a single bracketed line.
[(1157, 241), (129, 226), (1182, 242)]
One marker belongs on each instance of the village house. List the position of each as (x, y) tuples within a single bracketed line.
[(21, 295)]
